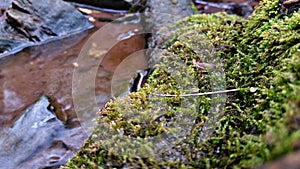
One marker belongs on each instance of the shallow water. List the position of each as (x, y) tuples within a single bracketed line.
[(45, 72)]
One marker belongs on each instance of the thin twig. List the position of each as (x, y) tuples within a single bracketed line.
[(197, 94)]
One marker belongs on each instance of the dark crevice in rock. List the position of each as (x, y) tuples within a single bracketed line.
[(17, 7), (110, 4)]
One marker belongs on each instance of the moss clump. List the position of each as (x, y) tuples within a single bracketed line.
[(145, 130)]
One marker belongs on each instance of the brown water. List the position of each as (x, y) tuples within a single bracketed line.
[(48, 70)]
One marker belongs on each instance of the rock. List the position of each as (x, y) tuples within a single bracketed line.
[(164, 14), (32, 22), (290, 6), (28, 133), (3, 6), (109, 4), (38, 139), (290, 161)]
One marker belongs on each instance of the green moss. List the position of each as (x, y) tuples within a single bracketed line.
[(250, 129)]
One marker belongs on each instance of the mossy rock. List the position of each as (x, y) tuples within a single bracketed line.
[(242, 129)]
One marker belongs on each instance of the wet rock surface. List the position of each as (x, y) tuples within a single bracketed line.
[(4, 4), (163, 15), (290, 161), (289, 6), (108, 4), (32, 132), (27, 23)]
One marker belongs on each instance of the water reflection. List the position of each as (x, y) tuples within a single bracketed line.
[(11, 100)]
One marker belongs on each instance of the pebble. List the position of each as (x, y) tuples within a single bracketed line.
[(253, 89)]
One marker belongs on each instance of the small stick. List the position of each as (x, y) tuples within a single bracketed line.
[(198, 94)]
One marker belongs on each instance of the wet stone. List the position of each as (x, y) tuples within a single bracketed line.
[(27, 23), (290, 6), (26, 143), (28, 134), (109, 4)]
